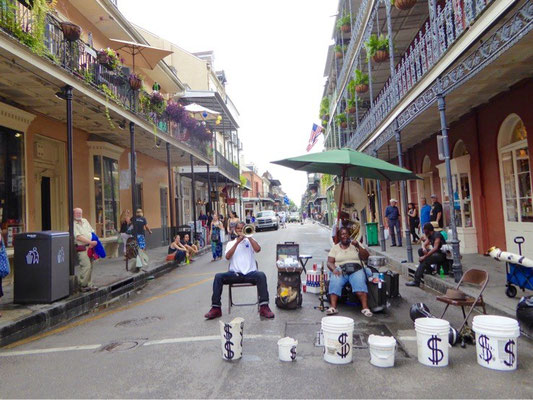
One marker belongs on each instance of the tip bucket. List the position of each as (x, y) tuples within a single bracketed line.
[(287, 349), (231, 335), (338, 339), (382, 349), (432, 341), (496, 342)]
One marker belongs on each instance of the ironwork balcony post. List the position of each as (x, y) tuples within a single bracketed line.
[(362, 217), (380, 212), (432, 4), (391, 50), (370, 83), (133, 169), (170, 191), (67, 91), (457, 267), (193, 184), (209, 189), (403, 185)]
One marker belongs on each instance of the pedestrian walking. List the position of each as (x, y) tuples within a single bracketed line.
[(126, 228), (140, 225), (414, 221), (83, 234), (436, 211), (216, 238), (392, 218)]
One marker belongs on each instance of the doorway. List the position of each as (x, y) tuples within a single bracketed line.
[(46, 214)]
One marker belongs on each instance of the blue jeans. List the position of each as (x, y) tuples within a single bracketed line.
[(223, 278), (395, 224), (357, 282)]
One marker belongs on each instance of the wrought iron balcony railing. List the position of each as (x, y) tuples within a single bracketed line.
[(225, 165), (429, 46), (81, 60)]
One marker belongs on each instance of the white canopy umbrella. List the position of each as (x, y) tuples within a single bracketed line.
[(200, 112), (148, 56)]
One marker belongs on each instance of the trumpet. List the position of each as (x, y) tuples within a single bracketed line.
[(248, 230)]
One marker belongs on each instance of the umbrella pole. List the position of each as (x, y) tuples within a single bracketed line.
[(340, 200)]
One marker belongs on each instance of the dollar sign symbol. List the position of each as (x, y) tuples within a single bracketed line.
[(229, 353), (509, 349), (293, 353), (436, 354), (345, 348), (486, 354)]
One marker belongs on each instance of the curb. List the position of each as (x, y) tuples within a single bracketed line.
[(65, 310)]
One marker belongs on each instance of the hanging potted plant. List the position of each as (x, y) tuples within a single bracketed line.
[(157, 103), (324, 108), (377, 48), (108, 58), (360, 82), (340, 50), (341, 120), (136, 81), (71, 31), (403, 4), (345, 23), (351, 106)]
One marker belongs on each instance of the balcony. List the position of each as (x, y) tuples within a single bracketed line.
[(227, 167), (80, 61)]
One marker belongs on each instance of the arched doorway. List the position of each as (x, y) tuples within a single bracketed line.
[(516, 182), (425, 186)]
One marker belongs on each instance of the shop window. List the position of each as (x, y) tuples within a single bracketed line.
[(106, 192), (462, 201), (12, 184)]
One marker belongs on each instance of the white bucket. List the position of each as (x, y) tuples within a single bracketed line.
[(382, 349), (338, 339), (231, 336), (432, 341), (287, 349), (496, 342)]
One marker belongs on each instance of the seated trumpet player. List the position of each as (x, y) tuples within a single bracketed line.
[(242, 269), (345, 263)]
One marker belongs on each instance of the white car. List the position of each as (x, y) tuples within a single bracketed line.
[(266, 220), (294, 216)]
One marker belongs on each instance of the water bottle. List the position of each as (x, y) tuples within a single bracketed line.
[(441, 272), (382, 276)]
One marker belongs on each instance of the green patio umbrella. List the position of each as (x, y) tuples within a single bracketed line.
[(348, 163)]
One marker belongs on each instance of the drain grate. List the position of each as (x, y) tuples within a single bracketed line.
[(138, 322)]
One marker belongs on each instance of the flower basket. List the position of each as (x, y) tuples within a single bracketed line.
[(135, 82), (108, 58), (339, 54), (404, 4), (361, 88), (347, 28), (380, 56), (344, 125), (352, 110), (71, 31)]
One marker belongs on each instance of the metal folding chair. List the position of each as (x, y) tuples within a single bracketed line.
[(475, 277), (239, 285)]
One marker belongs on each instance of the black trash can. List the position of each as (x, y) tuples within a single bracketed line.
[(41, 267)]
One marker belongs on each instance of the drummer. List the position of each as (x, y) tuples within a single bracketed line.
[(344, 223)]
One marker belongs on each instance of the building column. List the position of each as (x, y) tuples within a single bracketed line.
[(170, 192), (209, 189), (457, 267), (133, 169), (193, 195), (380, 213), (362, 217), (67, 91), (403, 194)]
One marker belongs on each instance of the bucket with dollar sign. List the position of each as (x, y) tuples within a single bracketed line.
[(496, 341), (231, 336), (287, 349), (338, 339), (432, 341)]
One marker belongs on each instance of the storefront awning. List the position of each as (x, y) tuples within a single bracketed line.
[(215, 102)]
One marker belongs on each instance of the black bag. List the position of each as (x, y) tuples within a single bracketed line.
[(350, 268), (289, 290), (377, 296), (392, 284)]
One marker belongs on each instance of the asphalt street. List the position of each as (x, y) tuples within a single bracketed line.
[(156, 343)]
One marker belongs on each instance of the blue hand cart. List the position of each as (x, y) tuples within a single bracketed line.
[(517, 274)]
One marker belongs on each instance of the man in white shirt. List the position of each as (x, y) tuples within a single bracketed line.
[(242, 269)]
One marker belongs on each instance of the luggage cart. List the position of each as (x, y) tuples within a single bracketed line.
[(517, 274)]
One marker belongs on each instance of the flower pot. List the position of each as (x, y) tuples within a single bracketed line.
[(361, 88), (339, 54), (380, 56), (71, 31), (352, 110), (103, 59), (135, 82), (404, 4), (344, 125), (324, 117), (347, 28)]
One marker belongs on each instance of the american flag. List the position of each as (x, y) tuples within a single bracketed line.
[(315, 133)]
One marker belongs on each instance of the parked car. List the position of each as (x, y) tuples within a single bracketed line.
[(294, 217), (266, 220)]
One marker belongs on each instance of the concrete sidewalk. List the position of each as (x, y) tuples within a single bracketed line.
[(19, 321)]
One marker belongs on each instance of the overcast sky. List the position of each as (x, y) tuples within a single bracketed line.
[(273, 53)]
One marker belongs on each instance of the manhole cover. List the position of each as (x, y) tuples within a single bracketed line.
[(120, 346), (138, 321)]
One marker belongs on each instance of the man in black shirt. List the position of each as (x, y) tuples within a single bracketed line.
[(436, 211), (429, 256)]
